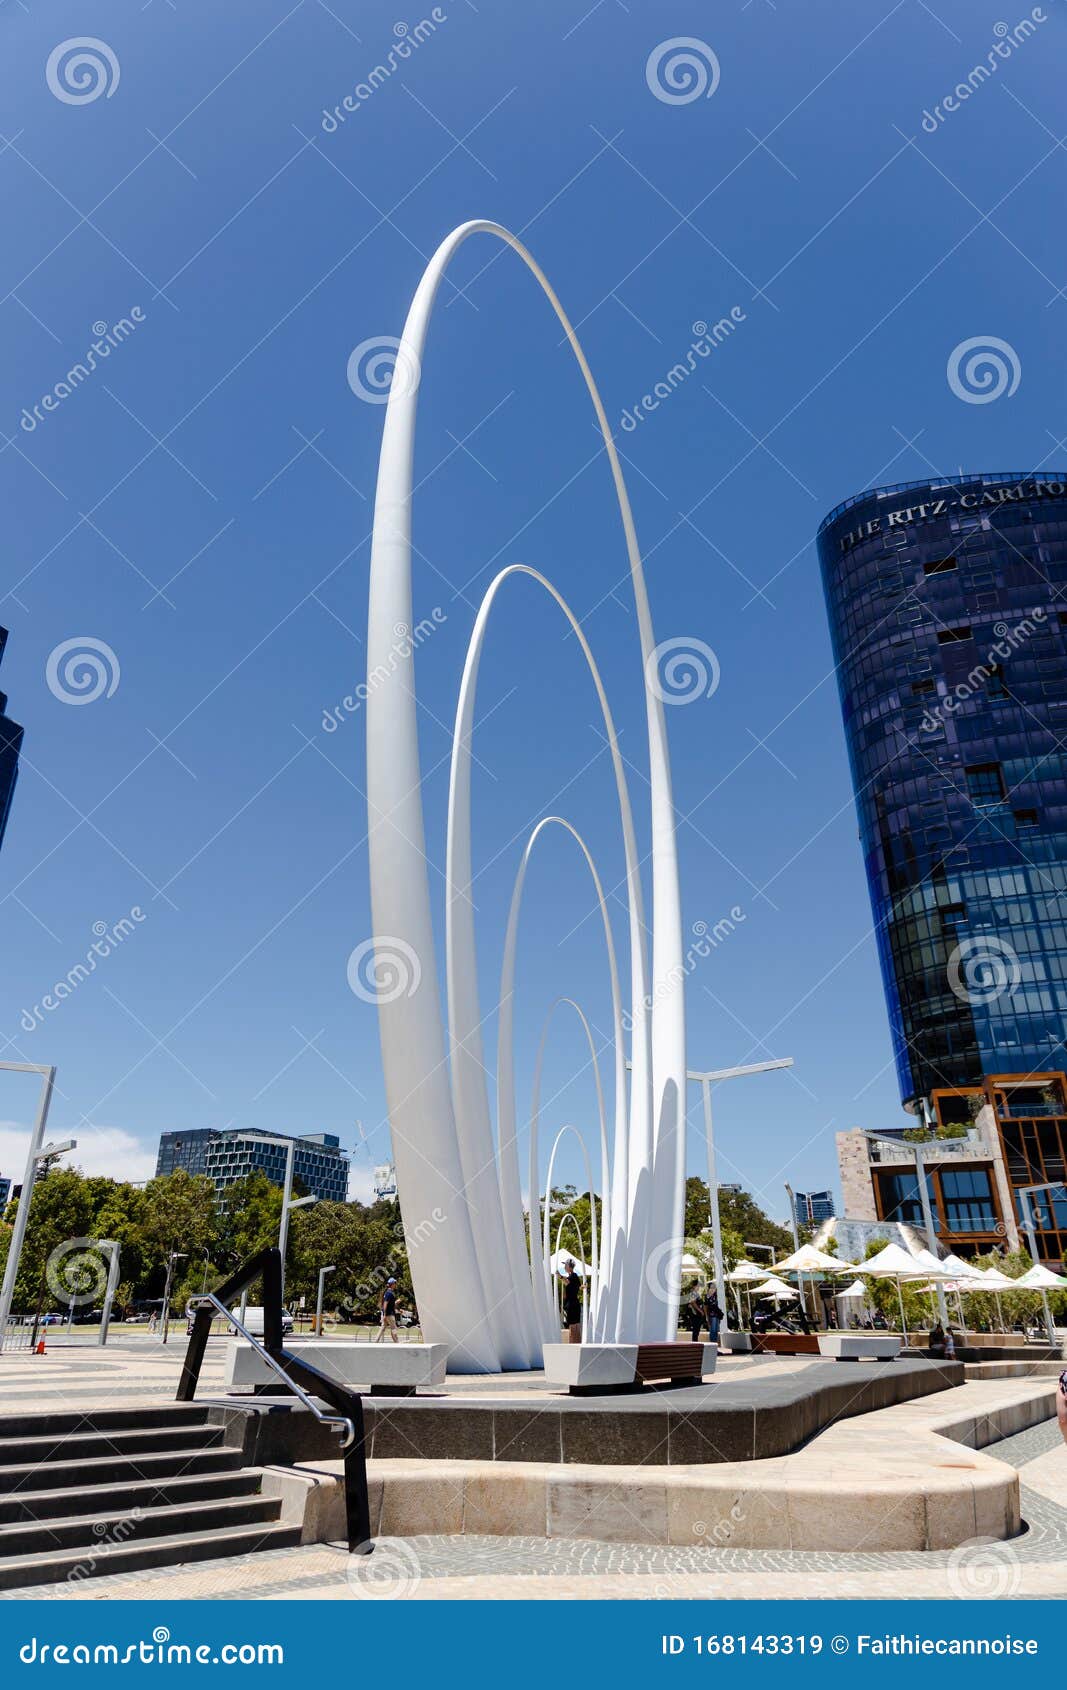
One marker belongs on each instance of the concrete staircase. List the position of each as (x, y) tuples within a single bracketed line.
[(116, 1490)]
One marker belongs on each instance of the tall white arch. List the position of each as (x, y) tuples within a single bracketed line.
[(593, 1286), (431, 1150)]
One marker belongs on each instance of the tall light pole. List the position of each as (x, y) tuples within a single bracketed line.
[(318, 1300), (1026, 1194), (38, 1152), (924, 1203), (175, 1256), (707, 1078)]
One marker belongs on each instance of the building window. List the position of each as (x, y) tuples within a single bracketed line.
[(1026, 818), (939, 565), (967, 1197), (985, 783), (950, 636)]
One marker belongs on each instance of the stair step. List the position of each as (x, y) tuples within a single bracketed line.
[(52, 1424), (20, 1571), (61, 1503), (87, 1445), (72, 1474), (92, 1532)]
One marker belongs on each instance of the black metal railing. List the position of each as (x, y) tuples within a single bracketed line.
[(299, 1376)]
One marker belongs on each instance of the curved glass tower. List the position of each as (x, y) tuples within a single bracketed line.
[(948, 612)]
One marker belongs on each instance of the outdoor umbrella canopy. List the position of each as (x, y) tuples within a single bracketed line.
[(856, 1289), (810, 1260), (556, 1264), (994, 1280), (776, 1288), (1040, 1278), (898, 1264), (960, 1269), (745, 1271)]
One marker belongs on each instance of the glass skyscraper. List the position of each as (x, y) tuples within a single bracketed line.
[(320, 1166), (10, 746), (947, 603)]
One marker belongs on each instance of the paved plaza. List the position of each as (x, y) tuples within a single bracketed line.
[(138, 1370)]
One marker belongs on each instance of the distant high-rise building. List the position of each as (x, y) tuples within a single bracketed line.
[(813, 1207), (10, 746), (320, 1166)]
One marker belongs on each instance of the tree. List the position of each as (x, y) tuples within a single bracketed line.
[(739, 1215)]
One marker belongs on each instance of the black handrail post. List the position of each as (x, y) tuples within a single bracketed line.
[(268, 1266)]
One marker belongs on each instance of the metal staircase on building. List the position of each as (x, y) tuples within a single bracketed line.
[(118, 1490)]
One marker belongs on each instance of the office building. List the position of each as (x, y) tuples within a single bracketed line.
[(10, 746), (320, 1166)]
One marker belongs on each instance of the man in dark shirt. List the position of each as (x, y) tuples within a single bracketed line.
[(572, 1304), (388, 1308)]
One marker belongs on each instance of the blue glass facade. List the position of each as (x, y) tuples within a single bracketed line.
[(10, 746), (320, 1166), (947, 603)]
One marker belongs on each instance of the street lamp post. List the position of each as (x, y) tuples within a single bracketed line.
[(924, 1203), (1026, 1194), (318, 1301), (38, 1152), (707, 1078)]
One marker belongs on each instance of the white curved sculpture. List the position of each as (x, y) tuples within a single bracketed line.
[(592, 1291), (442, 1136)]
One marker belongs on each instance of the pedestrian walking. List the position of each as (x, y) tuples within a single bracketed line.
[(572, 1303), (714, 1318), (388, 1313)]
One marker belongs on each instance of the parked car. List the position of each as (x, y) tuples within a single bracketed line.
[(253, 1321)]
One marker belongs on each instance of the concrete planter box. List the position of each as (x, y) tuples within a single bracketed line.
[(738, 1343), (387, 1366), (608, 1367), (859, 1346)]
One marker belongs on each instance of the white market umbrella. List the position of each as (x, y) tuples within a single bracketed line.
[(745, 1271), (961, 1269), (810, 1260), (556, 1263), (1040, 1278), (898, 1264), (856, 1289), (776, 1288)]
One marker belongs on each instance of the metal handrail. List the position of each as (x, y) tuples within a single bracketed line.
[(308, 1402)]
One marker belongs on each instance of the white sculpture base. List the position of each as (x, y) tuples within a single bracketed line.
[(614, 1367), (858, 1346), (360, 1366), (738, 1343)]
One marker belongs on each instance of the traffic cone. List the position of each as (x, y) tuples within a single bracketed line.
[(40, 1350)]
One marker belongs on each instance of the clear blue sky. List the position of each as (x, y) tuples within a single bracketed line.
[(201, 504)]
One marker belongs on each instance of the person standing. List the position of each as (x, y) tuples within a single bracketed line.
[(572, 1303), (714, 1318), (388, 1313), (695, 1315)]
